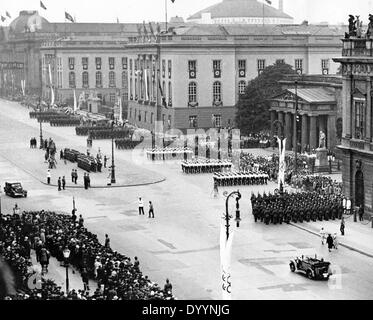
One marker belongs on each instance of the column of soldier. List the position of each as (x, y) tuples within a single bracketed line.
[(296, 207), (235, 178), (197, 166), (168, 153)]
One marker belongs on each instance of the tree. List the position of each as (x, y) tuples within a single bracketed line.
[(252, 114)]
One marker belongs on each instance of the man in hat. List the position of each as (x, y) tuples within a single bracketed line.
[(63, 182), (59, 184)]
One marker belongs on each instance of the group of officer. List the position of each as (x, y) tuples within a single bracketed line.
[(168, 153), (296, 207), (236, 178), (205, 166)]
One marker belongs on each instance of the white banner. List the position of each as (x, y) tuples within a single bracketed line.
[(225, 261), (146, 84), (120, 109), (51, 84), (282, 164)]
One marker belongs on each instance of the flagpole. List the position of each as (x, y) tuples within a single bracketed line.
[(263, 14), (165, 3)]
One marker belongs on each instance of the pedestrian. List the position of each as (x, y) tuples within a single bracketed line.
[(59, 184), (107, 241), (49, 177), (16, 210), (141, 206), (105, 160), (136, 264), (61, 154), (63, 182), (335, 241), (72, 175), (81, 221), (322, 235), (88, 180), (44, 260), (168, 287), (27, 247), (85, 279), (73, 215), (329, 241), (361, 213), (342, 228), (85, 181), (76, 176), (42, 236), (151, 210)]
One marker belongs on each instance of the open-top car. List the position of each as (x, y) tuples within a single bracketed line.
[(14, 189), (314, 268)]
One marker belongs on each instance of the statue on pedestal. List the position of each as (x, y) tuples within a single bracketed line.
[(370, 27), (351, 27), (322, 140)]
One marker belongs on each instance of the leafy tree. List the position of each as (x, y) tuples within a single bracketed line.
[(253, 106)]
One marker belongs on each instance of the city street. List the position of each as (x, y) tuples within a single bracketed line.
[(182, 242)]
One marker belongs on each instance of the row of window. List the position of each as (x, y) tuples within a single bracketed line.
[(216, 92), (139, 117), (216, 121), (98, 63), (135, 65), (98, 76), (261, 65)]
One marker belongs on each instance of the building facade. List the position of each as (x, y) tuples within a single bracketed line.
[(319, 109), (202, 70), (357, 143), (95, 68)]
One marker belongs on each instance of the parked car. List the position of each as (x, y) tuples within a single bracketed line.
[(313, 268), (14, 189)]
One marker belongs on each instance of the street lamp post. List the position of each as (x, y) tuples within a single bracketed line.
[(112, 154), (229, 217), (66, 255)]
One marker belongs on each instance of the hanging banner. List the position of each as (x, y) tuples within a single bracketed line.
[(225, 261)]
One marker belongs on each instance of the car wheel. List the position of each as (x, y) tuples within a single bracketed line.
[(292, 267), (309, 274)]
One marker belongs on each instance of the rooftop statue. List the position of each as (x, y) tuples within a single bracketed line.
[(370, 27), (351, 27)]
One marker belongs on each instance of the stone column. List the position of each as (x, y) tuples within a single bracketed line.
[(288, 133), (273, 119), (332, 132), (305, 132), (281, 119), (313, 133), (368, 114)]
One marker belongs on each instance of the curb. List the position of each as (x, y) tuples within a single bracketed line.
[(107, 186), (340, 243)]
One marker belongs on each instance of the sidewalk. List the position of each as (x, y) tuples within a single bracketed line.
[(127, 175), (57, 273), (358, 237)]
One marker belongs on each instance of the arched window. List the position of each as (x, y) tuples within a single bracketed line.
[(164, 89), (98, 79), (241, 87), (112, 79), (216, 91), (72, 79), (85, 79), (131, 88), (192, 92)]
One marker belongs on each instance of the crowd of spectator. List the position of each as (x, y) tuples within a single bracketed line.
[(118, 277), (256, 140)]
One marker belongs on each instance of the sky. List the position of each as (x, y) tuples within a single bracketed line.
[(332, 11)]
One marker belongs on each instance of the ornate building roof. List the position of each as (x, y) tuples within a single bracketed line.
[(241, 8), (28, 21)]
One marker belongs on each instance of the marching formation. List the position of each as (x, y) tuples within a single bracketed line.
[(236, 178), (296, 207), (205, 166), (168, 153)]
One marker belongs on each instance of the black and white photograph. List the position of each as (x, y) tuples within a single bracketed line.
[(163, 151)]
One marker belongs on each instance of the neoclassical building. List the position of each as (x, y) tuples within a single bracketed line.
[(319, 109), (357, 139)]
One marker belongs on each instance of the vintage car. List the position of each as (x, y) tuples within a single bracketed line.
[(14, 190), (314, 268)]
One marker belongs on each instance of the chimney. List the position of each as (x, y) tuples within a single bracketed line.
[(281, 5)]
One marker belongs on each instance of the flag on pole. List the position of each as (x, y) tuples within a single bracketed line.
[(3, 18), (225, 261), (145, 31), (42, 5), (164, 103), (75, 102), (69, 17), (8, 15)]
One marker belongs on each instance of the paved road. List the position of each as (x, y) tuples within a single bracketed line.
[(182, 241)]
